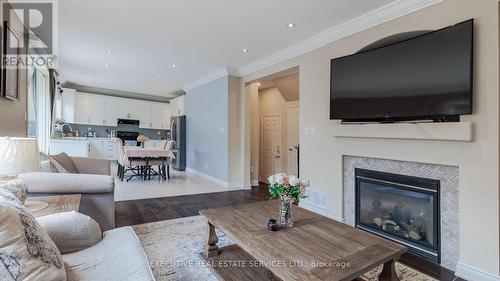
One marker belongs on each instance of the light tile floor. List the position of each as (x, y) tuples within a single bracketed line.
[(180, 183)]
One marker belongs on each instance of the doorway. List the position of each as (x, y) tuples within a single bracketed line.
[(275, 125), (293, 140), (271, 145)]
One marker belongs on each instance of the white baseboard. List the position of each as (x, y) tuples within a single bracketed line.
[(319, 210), (254, 182), (208, 177), (472, 273), (240, 185)]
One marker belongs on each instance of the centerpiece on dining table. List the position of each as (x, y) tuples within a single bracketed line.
[(142, 139), (288, 189)]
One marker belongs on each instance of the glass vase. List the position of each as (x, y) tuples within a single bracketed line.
[(285, 214)]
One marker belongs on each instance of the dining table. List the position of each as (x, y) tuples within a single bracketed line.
[(150, 155)]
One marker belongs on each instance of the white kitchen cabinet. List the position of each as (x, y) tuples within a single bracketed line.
[(139, 110), (100, 110), (96, 110), (166, 115), (68, 105), (110, 116), (122, 106), (102, 149), (82, 109), (153, 144), (74, 148), (95, 149), (178, 107), (159, 115)]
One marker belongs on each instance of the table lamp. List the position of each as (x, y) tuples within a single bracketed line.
[(17, 156)]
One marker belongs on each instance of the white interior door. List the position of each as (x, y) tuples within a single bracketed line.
[(293, 140), (270, 146)]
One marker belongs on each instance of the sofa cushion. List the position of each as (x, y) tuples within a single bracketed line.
[(39, 182), (26, 250), (65, 161), (71, 231), (16, 186), (119, 256), (54, 166)]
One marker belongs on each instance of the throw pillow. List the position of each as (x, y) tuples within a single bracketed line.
[(55, 167), (17, 187), (71, 231), (25, 248), (65, 161)]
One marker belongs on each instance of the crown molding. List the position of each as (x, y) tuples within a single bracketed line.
[(373, 18), (219, 73)]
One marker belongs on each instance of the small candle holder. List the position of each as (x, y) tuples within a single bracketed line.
[(272, 225)]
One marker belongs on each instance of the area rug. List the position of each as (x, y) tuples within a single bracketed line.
[(173, 248)]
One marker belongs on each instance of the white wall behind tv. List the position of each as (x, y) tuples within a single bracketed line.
[(478, 161)]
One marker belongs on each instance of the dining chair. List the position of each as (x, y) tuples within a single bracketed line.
[(136, 165), (163, 163)]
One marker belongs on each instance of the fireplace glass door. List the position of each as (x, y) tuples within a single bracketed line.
[(401, 208)]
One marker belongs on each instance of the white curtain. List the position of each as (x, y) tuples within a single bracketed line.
[(39, 113)]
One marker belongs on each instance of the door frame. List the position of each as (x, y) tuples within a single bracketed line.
[(291, 105), (261, 158)]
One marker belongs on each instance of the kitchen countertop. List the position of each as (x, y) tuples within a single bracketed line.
[(80, 139)]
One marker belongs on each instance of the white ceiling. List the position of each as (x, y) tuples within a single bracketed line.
[(198, 36)]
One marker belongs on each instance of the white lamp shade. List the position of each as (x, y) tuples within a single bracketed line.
[(19, 155)]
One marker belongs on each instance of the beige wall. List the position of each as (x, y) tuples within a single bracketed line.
[(12, 113), (478, 161), (235, 132), (252, 92)]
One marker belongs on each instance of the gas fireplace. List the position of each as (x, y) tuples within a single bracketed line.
[(401, 208)]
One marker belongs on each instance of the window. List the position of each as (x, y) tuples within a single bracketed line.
[(39, 117)]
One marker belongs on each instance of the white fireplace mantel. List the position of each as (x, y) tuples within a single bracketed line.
[(450, 131)]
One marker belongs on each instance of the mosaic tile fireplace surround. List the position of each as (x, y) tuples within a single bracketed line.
[(387, 208)]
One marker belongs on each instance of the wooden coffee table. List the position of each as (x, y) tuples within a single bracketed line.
[(316, 248), (57, 204)]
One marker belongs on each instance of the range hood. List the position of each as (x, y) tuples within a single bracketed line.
[(128, 122)]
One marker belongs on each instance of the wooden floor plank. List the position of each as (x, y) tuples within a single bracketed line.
[(234, 264), (127, 213)]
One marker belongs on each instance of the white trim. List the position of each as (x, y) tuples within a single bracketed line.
[(319, 210), (254, 182), (239, 185), (472, 273), (207, 177), (289, 107), (373, 18), (219, 73), (261, 152)]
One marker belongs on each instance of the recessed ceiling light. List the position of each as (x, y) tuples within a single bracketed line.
[(110, 52), (173, 65), (107, 65), (291, 25), (245, 50)]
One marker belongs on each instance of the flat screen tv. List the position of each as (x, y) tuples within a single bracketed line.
[(425, 77)]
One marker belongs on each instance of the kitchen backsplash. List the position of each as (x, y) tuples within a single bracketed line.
[(101, 130)]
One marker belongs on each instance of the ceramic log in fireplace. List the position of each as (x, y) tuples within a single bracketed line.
[(401, 208)]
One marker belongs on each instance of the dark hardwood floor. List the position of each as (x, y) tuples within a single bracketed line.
[(158, 209)]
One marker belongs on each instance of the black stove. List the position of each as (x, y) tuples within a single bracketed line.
[(128, 138)]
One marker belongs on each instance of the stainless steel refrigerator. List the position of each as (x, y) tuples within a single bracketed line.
[(178, 132)]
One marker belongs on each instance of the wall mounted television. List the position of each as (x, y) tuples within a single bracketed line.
[(427, 77)]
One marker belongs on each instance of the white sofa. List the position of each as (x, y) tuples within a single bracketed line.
[(90, 255), (118, 256)]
